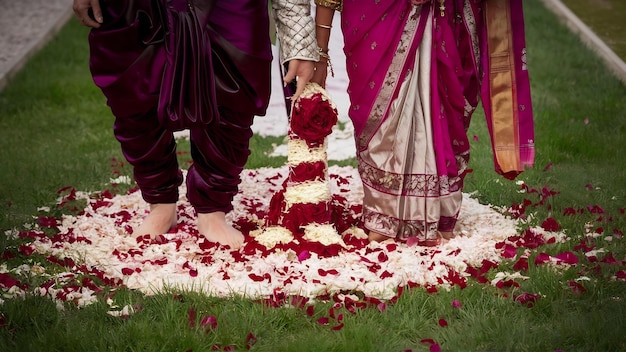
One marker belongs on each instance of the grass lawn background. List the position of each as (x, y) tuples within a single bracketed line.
[(55, 131)]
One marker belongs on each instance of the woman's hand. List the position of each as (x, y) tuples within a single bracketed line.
[(81, 9), (321, 72)]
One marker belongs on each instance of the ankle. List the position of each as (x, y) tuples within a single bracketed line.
[(447, 235), (373, 236)]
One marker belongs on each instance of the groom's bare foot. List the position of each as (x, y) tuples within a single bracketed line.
[(161, 219), (214, 228)]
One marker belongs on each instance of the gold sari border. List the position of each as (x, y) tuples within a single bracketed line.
[(502, 85)]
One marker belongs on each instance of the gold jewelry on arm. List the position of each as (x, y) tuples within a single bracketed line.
[(324, 55), (442, 8), (336, 5), (324, 26)]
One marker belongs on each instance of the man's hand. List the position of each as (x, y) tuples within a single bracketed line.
[(81, 9), (303, 70)]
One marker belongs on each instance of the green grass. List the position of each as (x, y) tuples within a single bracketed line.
[(55, 131)]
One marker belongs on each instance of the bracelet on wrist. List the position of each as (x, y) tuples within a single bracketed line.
[(336, 5), (324, 55)]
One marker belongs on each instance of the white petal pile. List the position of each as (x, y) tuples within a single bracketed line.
[(185, 262)]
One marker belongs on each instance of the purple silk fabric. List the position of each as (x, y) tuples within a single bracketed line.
[(128, 60)]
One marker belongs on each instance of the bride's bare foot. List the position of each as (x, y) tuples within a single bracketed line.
[(446, 236), (214, 228), (161, 219), (376, 237)]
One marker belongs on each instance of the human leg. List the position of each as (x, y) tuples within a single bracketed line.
[(220, 152), (151, 150), (241, 59), (161, 219), (128, 66), (407, 161)]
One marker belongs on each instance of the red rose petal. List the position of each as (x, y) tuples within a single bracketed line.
[(192, 317), (542, 258), (7, 281), (527, 299), (210, 322), (391, 247), (509, 251), (304, 255), (412, 241), (26, 250), (550, 224), (431, 289), (567, 257), (337, 327), (386, 274), (576, 287), (521, 264), (256, 277), (434, 346), (595, 209), (323, 321), (323, 272), (250, 340)]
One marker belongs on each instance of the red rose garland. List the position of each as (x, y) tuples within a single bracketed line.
[(313, 117), (302, 210)]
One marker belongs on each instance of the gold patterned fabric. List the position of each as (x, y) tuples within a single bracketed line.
[(296, 30), (501, 82)]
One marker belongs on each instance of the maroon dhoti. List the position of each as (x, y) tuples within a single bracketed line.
[(139, 60)]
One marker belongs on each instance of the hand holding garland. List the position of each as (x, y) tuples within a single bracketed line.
[(296, 34)]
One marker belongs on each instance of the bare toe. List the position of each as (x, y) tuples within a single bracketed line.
[(214, 228), (161, 219)]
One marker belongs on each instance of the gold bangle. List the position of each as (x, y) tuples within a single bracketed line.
[(336, 5), (324, 55), (323, 26)]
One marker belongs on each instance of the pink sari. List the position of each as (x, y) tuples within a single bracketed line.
[(416, 76)]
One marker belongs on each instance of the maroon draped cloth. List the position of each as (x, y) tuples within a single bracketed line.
[(167, 65)]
